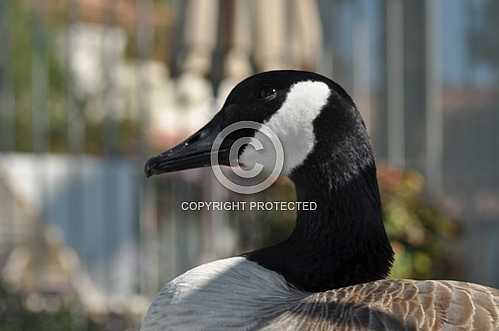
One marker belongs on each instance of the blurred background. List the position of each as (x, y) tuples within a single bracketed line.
[(89, 89)]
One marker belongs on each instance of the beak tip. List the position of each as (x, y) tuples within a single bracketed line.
[(148, 169)]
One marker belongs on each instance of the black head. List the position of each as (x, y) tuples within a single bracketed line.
[(313, 117)]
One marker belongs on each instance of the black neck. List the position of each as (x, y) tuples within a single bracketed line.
[(341, 243)]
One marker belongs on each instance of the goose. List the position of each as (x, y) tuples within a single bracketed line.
[(331, 273)]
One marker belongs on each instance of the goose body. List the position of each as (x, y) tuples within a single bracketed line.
[(330, 274), (262, 299)]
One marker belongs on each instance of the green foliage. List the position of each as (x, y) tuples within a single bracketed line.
[(421, 233), (30, 43), (44, 109), (16, 316)]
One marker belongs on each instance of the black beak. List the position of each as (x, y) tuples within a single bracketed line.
[(194, 152)]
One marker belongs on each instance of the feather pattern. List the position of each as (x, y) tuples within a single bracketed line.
[(238, 294)]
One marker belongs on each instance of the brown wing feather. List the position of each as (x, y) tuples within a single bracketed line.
[(396, 305)]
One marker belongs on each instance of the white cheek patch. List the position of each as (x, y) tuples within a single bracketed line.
[(293, 125)]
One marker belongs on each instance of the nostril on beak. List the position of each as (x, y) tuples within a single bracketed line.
[(194, 138)]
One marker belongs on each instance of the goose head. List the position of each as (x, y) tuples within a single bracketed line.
[(314, 119)]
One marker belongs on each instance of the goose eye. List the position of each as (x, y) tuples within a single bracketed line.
[(267, 93)]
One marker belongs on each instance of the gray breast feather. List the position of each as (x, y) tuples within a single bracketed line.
[(237, 294), (229, 294)]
